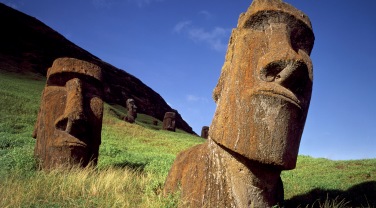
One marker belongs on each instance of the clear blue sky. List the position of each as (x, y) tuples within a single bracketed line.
[(177, 47)]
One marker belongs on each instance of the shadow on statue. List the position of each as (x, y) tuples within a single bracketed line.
[(360, 195)]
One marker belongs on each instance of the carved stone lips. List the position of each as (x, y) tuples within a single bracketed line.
[(284, 78), (66, 139), (276, 90)]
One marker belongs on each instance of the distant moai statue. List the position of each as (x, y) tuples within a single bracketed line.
[(205, 132), (69, 123), (132, 111), (262, 98), (169, 121), (155, 122)]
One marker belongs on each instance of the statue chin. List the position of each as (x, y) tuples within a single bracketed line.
[(67, 155), (68, 150), (276, 126)]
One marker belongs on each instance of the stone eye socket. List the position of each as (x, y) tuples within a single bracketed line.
[(302, 38), (61, 79)]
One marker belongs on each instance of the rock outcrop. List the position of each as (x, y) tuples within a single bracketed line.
[(262, 98), (28, 45)]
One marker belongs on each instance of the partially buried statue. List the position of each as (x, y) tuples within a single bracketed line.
[(205, 132), (262, 98), (68, 128), (132, 111), (169, 121)]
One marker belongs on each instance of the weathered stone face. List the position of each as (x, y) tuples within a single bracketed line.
[(169, 121), (68, 128), (262, 98), (132, 111), (205, 132), (265, 86)]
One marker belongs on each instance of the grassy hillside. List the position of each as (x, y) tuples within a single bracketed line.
[(134, 162)]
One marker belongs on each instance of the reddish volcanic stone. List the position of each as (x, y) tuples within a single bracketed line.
[(262, 98), (205, 132), (169, 121), (68, 128)]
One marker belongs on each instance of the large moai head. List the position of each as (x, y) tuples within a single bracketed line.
[(169, 121), (68, 129), (264, 90)]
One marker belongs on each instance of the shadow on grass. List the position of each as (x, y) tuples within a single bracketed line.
[(139, 167), (361, 195), (117, 113)]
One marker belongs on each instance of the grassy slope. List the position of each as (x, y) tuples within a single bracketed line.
[(314, 180), (134, 161)]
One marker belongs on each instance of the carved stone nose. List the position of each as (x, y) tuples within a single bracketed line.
[(282, 64), (291, 74), (73, 121)]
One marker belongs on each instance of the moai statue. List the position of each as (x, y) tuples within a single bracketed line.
[(155, 122), (69, 123), (169, 121), (262, 98), (205, 132), (132, 111)]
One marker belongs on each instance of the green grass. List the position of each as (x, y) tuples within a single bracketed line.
[(316, 179), (19, 101), (135, 159)]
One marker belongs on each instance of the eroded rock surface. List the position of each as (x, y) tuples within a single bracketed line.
[(68, 128), (262, 98)]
